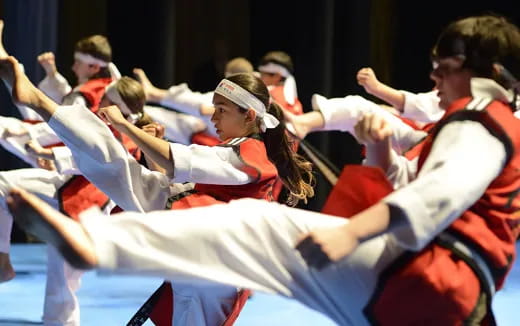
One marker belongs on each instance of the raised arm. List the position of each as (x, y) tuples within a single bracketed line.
[(156, 149), (367, 78), (417, 213)]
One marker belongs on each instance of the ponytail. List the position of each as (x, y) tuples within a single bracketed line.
[(293, 169)]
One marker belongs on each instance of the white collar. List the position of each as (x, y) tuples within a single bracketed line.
[(488, 88)]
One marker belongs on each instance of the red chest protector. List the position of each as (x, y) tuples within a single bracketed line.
[(435, 286), (493, 222), (253, 154), (359, 187), (205, 139), (278, 96), (93, 90)]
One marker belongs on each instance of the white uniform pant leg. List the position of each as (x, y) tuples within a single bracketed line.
[(247, 243), (15, 144), (202, 304), (60, 305), (41, 182), (6, 225), (106, 163)]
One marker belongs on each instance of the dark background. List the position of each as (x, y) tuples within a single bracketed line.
[(190, 40)]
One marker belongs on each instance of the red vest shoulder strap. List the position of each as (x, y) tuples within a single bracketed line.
[(93, 91)]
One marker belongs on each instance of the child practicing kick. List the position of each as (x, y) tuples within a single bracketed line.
[(70, 192), (434, 251), (254, 153)]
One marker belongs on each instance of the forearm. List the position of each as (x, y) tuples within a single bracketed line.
[(390, 95), (154, 166), (156, 149), (370, 222), (314, 121), (157, 95)]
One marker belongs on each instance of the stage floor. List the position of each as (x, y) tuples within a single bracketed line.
[(112, 300)]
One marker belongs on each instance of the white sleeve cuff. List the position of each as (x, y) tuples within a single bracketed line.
[(413, 236), (64, 161), (181, 162), (423, 107)]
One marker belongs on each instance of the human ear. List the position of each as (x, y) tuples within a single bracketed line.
[(250, 115)]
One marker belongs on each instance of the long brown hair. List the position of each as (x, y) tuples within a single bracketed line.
[(293, 169)]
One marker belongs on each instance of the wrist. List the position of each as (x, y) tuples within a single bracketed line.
[(374, 89), (51, 71), (122, 126)]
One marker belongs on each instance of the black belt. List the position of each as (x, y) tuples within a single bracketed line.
[(474, 260)]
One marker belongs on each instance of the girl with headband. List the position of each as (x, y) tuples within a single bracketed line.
[(435, 250), (68, 190), (197, 107), (254, 153)]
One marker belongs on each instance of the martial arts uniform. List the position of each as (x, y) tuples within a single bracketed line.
[(239, 168), (251, 245), (69, 193)]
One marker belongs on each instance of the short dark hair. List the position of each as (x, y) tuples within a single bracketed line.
[(483, 40)]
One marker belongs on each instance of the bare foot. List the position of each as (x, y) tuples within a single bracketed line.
[(3, 52), (6, 269), (40, 219), (24, 92)]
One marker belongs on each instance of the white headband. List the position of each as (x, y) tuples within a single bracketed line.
[(113, 95), (244, 99), (289, 87), (274, 68), (88, 59)]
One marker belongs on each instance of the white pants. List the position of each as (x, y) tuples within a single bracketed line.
[(40, 132), (61, 306), (247, 243)]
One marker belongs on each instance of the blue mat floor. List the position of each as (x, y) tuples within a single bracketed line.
[(112, 300)]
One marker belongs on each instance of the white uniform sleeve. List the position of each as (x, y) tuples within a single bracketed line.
[(454, 176), (211, 165), (43, 134), (178, 127), (106, 163), (64, 161), (75, 98), (181, 98), (55, 87), (344, 113), (401, 170), (423, 107)]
